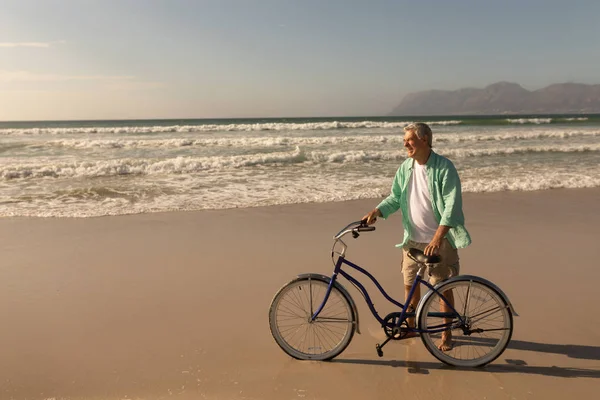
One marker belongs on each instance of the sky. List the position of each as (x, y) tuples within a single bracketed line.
[(138, 59)]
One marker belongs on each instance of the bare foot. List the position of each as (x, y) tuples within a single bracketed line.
[(446, 344), (411, 324)]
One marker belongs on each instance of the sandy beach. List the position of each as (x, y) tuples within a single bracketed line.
[(174, 305)]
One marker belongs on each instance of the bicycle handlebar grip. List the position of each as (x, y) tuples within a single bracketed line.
[(365, 228)]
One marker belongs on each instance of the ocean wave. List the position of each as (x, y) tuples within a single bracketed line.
[(536, 121), (178, 165), (530, 183), (275, 126), (11, 146), (190, 165), (242, 142), (265, 193), (584, 148), (512, 136), (204, 142), (283, 141)]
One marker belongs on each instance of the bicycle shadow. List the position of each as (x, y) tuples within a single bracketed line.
[(569, 350), (511, 366), (514, 367)]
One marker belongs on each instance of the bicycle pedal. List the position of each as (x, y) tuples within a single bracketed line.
[(379, 351)]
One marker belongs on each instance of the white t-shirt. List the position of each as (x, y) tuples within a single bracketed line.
[(420, 209)]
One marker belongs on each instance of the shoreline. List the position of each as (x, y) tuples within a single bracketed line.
[(375, 200)]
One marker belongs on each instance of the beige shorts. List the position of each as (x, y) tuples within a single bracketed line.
[(447, 268)]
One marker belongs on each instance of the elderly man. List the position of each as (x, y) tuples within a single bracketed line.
[(427, 190)]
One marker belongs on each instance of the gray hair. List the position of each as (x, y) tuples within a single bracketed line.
[(422, 130)]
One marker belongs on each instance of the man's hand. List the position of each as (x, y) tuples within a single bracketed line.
[(433, 247), (372, 216)]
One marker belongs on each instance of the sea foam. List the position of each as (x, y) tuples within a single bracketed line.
[(281, 141), (276, 126), (189, 165)]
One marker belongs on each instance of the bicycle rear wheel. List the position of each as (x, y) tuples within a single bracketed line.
[(488, 324), (289, 319)]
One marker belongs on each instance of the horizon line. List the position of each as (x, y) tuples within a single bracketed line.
[(303, 117)]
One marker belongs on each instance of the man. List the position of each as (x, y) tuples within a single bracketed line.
[(427, 190)]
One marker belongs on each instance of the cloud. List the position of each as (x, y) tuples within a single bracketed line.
[(27, 76), (31, 44)]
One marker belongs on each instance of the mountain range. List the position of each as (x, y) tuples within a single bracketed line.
[(503, 98)]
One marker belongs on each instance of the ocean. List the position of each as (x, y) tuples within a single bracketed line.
[(96, 168)]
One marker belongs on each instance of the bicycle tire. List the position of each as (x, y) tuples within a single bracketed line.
[(291, 299), (486, 301)]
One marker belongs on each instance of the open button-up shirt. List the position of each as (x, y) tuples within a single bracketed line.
[(445, 194)]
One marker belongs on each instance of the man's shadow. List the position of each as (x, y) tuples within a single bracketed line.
[(511, 366), (569, 350)]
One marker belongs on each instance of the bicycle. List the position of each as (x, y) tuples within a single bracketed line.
[(313, 317)]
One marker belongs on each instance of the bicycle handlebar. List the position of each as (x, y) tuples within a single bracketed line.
[(354, 228), (357, 226)]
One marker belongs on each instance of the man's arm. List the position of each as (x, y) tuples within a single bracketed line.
[(452, 195), (390, 204), (452, 216)]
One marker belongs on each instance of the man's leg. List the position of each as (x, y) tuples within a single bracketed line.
[(450, 268), (414, 301), (412, 306), (446, 344), (409, 271)]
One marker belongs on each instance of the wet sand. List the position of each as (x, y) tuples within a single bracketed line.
[(174, 305)]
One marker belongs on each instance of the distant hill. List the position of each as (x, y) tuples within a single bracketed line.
[(503, 98)]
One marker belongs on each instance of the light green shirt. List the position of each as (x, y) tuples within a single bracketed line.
[(445, 194)]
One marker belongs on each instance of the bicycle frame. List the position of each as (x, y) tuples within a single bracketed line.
[(404, 314)]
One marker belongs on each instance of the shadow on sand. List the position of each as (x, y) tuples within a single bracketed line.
[(511, 366), (569, 350)]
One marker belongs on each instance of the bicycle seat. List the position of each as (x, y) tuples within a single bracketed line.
[(420, 257)]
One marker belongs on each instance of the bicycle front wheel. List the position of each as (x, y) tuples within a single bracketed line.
[(486, 330), (291, 326)]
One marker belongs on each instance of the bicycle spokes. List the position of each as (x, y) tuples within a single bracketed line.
[(298, 334), (476, 336)]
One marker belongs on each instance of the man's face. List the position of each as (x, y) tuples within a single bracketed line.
[(414, 145)]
